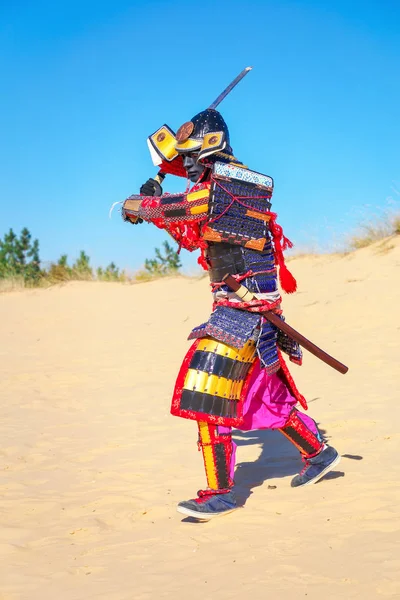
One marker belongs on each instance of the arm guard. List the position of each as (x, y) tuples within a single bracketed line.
[(179, 214), (168, 208), (176, 208)]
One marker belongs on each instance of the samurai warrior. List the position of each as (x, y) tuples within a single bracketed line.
[(234, 374)]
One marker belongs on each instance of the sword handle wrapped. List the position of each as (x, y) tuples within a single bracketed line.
[(160, 177)]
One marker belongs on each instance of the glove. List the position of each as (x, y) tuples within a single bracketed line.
[(151, 188)]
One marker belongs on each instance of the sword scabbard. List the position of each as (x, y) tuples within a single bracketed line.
[(247, 296)]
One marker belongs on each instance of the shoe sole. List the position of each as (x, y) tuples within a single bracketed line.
[(324, 472), (202, 516)]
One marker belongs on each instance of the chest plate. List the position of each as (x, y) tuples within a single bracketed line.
[(239, 207)]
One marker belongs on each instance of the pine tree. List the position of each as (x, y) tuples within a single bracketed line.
[(63, 261), (19, 256), (111, 273), (164, 264), (60, 271), (82, 267)]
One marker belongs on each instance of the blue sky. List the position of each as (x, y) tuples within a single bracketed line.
[(84, 83)]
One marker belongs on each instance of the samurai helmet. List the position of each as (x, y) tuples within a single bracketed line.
[(206, 134)]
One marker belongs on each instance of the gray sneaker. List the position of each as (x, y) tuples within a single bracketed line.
[(315, 468), (209, 504)]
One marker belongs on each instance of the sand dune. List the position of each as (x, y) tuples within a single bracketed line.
[(92, 464)]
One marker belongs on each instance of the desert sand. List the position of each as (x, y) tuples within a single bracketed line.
[(93, 464)]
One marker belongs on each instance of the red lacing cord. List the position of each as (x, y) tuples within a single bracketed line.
[(202, 493), (280, 242), (256, 305), (306, 465), (238, 200), (217, 284)]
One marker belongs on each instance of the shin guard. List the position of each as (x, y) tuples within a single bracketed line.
[(307, 441), (217, 451)]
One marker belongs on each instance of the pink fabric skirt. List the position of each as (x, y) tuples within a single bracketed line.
[(268, 401), (267, 406)]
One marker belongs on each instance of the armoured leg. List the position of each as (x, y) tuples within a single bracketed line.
[(218, 450), (318, 457), (210, 387), (218, 455), (303, 432)]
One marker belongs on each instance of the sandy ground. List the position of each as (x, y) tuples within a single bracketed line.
[(93, 465)]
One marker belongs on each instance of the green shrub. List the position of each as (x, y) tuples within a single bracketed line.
[(19, 257), (81, 268), (167, 263), (59, 271), (375, 230), (111, 273)]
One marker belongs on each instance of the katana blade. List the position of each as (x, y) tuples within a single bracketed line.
[(230, 87)]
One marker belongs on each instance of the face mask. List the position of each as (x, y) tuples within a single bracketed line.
[(193, 169)]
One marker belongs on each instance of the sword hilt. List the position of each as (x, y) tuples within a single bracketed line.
[(160, 177)]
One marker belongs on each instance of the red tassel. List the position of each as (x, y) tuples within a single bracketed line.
[(286, 243), (281, 243), (288, 282), (202, 261)]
